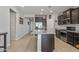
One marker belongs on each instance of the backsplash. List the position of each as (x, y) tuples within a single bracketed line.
[(64, 26)]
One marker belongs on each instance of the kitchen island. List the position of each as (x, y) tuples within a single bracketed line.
[(45, 41)]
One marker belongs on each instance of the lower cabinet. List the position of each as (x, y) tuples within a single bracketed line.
[(73, 39), (76, 40), (47, 44)]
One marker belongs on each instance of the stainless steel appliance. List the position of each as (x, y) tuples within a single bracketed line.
[(70, 35), (63, 34), (70, 28)]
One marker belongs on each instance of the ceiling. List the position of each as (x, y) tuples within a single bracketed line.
[(46, 9)]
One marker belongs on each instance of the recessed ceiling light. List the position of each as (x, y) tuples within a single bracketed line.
[(42, 9)]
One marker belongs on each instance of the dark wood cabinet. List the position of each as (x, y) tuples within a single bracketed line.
[(75, 16), (67, 13), (70, 16), (60, 20), (47, 42), (67, 16), (73, 39), (76, 39), (70, 38)]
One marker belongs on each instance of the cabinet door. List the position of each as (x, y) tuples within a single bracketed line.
[(68, 16), (68, 13), (70, 38), (59, 20), (47, 44), (76, 38), (65, 15), (75, 15)]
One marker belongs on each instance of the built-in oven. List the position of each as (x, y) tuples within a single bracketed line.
[(63, 35), (70, 28), (70, 38), (70, 35)]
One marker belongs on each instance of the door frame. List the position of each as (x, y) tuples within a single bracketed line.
[(10, 23)]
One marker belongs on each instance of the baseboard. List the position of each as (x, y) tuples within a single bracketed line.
[(21, 36), (8, 44)]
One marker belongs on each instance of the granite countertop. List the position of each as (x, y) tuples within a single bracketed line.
[(64, 30), (42, 32), (77, 31)]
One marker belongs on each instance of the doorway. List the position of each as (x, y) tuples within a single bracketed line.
[(27, 25), (41, 23), (12, 25)]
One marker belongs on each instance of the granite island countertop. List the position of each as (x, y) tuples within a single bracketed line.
[(77, 31), (43, 32), (39, 35)]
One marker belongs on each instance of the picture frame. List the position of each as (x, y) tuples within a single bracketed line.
[(20, 20)]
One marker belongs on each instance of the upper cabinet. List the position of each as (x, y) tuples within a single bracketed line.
[(75, 16), (70, 16), (60, 20)]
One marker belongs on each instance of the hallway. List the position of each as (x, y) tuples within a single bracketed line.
[(25, 44)]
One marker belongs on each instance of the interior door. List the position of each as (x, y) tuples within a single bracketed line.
[(12, 25)]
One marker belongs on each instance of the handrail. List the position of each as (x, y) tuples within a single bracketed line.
[(4, 34)]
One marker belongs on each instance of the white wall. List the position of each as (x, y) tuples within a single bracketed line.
[(21, 29), (5, 22), (51, 24)]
